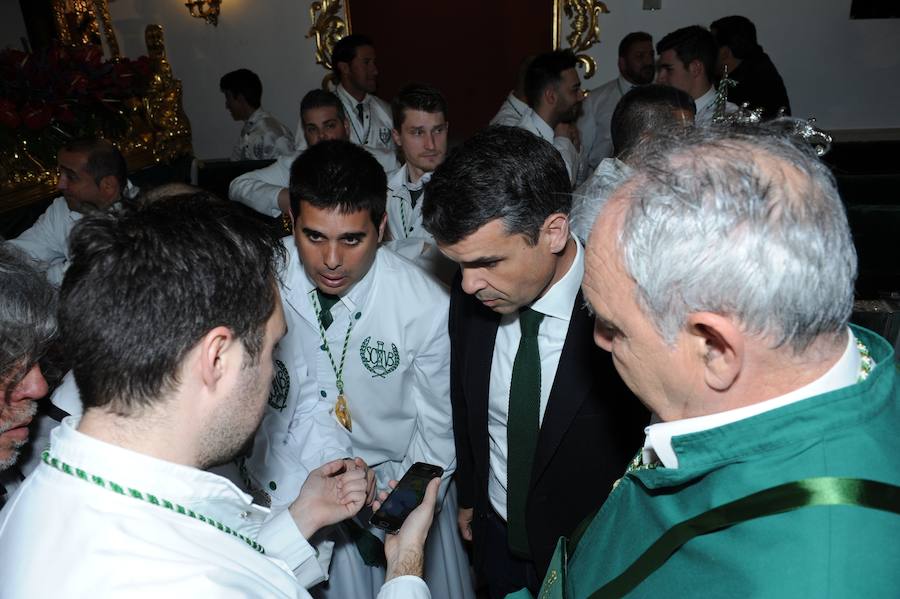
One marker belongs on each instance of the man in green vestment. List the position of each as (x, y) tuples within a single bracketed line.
[(721, 276)]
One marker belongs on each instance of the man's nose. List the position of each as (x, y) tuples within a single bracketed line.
[(32, 387)]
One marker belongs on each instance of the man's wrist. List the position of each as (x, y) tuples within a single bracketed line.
[(409, 562)]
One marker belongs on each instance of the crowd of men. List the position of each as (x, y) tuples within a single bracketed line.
[(620, 329)]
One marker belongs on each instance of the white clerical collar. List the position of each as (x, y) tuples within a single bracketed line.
[(558, 300), (658, 443)]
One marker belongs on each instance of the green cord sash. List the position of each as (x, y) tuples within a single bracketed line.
[(776, 500)]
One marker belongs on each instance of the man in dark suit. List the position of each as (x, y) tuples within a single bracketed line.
[(543, 423)]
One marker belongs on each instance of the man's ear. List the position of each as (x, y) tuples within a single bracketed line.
[(344, 70), (550, 95), (695, 68), (719, 343), (621, 64), (396, 136), (219, 352), (381, 227), (555, 231), (109, 189)]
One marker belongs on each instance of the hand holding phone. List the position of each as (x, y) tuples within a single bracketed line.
[(405, 497)]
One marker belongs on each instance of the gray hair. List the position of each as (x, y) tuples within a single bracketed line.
[(27, 312), (745, 222)]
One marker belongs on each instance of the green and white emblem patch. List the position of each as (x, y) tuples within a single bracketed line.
[(378, 360), (281, 384)]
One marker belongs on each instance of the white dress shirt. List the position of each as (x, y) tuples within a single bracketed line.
[(263, 137), (533, 123), (658, 443), (556, 305), (47, 241), (68, 537), (373, 131), (511, 111), (706, 107)]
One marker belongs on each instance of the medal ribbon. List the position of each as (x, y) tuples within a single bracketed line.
[(338, 369), (145, 497)]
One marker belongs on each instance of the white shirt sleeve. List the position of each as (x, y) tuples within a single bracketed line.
[(432, 442), (259, 189), (46, 242), (281, 537), (404, 587)]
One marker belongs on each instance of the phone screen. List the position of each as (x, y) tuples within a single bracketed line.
[(405, 497)]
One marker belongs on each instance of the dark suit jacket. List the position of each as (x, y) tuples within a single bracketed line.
[(592, 427)]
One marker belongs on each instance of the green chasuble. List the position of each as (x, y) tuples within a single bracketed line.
[(820, 551)]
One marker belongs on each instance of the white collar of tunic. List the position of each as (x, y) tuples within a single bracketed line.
[(658, 442)]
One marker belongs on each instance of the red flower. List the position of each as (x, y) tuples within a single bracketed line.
[(9, 116), (36, 116)]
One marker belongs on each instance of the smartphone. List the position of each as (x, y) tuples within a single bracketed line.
[(405, 497)]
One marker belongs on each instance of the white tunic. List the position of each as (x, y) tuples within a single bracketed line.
[(533, 123), (62, 536), (410, 238), (373, 131), (47, 241), (396, 382), (263, 137), (259, 189)]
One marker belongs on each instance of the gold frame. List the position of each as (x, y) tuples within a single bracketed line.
[(159, 129), (584, 25)]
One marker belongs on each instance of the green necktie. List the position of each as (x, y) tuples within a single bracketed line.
[(523, 424), (326, 302)]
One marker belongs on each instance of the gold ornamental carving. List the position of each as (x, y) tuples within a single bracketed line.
[(329, 24), (78, 22), (584, 26), (153, 127)]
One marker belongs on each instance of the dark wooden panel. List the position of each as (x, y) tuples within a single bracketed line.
[(469, 49)]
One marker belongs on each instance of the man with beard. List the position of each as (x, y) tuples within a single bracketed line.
[(92, 176), (636, 67), (27, 325), (171, 314), (553, 89)]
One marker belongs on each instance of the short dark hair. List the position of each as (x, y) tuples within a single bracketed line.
[(103, 159), (417, 96), (690, 44), (145, 284), (345, 50), (738, 33), (245, 83), (320, 98), (339, 175), (27, 315), (646, 108), (631, 39), (546, 70), (501, 172)]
